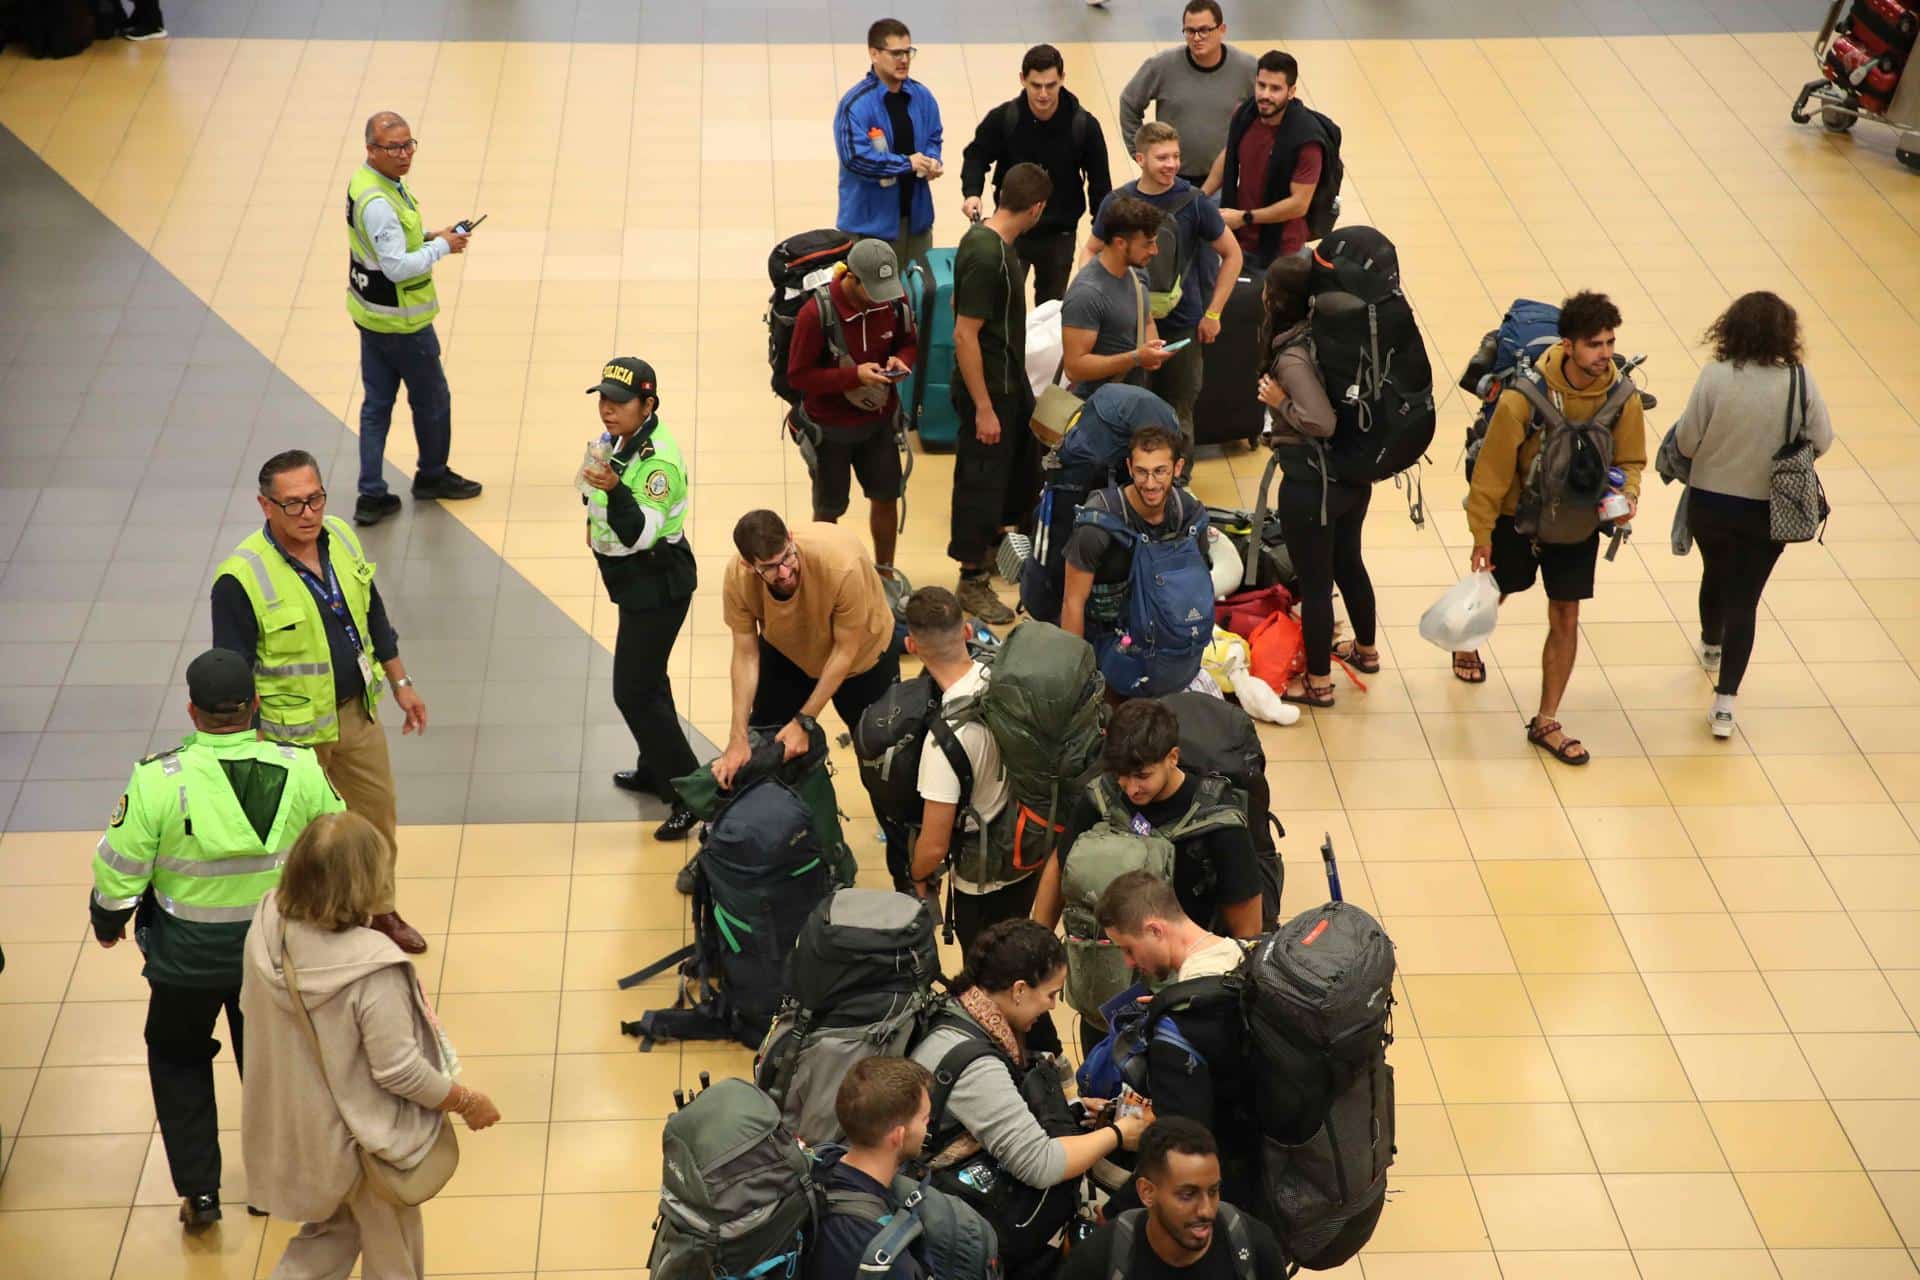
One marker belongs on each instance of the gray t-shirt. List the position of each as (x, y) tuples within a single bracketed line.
[(1110, 306)]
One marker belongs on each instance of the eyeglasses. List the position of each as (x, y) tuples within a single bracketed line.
[(1199, 33), (300, 506), (787, 560), (406, 148), (900, 54), (1156, 473)]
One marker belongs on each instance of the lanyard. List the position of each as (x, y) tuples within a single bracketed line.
[(326, 590)]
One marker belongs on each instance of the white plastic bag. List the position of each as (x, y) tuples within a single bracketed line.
[(1463, 618), (1043, 344), (1258, 700), (1228, 567)]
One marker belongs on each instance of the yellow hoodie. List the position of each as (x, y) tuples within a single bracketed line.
[(1502, 466)]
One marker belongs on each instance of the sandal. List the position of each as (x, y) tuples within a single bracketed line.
[(1310, 695), (1349, 654), (1568, 751), (1468, 669)]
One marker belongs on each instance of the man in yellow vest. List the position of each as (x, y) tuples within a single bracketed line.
[(391, 298), (298, 600), (196, 841)]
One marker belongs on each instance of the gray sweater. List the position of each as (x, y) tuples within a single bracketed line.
[(1198, 102), (1735, 421), (987, 1103)]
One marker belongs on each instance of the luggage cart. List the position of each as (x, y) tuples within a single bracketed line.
[(1838, 101)]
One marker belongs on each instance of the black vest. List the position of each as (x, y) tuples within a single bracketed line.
[(1298, 126)]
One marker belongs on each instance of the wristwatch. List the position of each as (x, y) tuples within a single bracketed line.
[(806, 722), (404, 682)]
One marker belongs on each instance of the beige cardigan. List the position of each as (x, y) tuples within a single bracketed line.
[(383, 1060)]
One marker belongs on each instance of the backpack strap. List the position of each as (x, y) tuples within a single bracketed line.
[(952, 1065), (1126, 1230), (897, 1233), (863, 1205), (1211, 811), (1529, 386), (1615, 404), (1239, 1240)]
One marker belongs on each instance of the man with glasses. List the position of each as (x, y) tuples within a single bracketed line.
[(887, 131), (391, 299), (1195, 88), (811, 625), (297, 599)]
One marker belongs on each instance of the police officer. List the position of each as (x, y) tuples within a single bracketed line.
[(196, 841), (636, 502)]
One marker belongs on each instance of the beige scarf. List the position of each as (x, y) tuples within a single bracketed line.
[(981, 1008)]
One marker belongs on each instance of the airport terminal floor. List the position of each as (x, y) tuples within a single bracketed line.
[(1657, 1015)]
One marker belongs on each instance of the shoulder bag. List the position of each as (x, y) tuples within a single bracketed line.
[(388, 1181), (1058, 409), (1797, 507)]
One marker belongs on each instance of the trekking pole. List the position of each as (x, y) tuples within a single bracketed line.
[(706, 1081), (1333, 868), (679, 1099)]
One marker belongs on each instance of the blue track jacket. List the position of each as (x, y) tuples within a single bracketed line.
[(866, 207)]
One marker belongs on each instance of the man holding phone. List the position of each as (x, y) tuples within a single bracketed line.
[(391, 300), (853, 341)]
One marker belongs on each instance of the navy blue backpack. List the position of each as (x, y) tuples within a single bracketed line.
[(1163, 633)]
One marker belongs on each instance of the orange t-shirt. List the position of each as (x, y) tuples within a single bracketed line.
[(840, 594)]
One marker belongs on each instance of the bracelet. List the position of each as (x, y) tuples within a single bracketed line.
[(1119, 1138), (1213, 316)]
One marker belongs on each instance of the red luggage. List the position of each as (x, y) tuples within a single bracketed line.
[(1872, 79), (1883, 27)]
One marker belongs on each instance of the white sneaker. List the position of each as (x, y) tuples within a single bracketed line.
[(1721, 722), (1710, 656)]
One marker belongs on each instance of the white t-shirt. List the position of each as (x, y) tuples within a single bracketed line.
[(938, 781), (1221, 956)]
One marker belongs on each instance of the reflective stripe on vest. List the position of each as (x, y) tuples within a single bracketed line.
[(119, 861), (203, 915)]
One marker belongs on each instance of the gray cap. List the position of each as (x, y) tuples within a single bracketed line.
[(872, 263)]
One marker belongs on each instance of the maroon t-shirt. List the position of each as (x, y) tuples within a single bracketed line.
[(1256, 148)]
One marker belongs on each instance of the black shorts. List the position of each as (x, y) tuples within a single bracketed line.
[(873, 457), (1566, 568)]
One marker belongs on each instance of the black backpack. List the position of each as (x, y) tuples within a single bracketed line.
[(759, 872), (53, 28), (1234, 1237), (796, 267), (859, 983), (887, 744), (1323, 211), (1217, 737)]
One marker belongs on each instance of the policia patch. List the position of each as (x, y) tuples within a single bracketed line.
[(657, 485), (119, 811)]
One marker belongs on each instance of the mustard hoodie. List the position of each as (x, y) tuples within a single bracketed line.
[(1508, 451)]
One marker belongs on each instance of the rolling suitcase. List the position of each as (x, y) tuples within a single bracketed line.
[(929, 392), (1227, 407), (1884, 27)]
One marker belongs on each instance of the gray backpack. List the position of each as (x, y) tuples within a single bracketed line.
[(948, 1236), (1568, 476), (737, 1195), (1237, 1239)]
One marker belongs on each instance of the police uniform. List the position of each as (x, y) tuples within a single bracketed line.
[(636, 531), (196, 841)]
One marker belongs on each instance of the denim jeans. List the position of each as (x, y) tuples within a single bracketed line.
[(386, 361)]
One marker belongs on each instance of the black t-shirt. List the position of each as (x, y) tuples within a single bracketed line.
[(1093, 1260), (1110, 559), (1212, 870), (904, 143)]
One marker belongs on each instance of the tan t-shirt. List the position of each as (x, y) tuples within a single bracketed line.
[(1221, 956), (840, 594)]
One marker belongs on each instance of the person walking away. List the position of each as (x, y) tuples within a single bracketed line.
[(887, 133), (1267, 173), (882, 1107), (1194, 88), (996, 465), (1578, 374), (1744, 407), (811, 625), (298, 600), (1106, 325), (1045, 125), (636, 499), (195, 842), (392, 302), (1185, 1227), (1186, 302), (343, 1052), (1323, 518), (846, 366)]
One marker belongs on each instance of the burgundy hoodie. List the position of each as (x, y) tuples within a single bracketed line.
[(872, 336)]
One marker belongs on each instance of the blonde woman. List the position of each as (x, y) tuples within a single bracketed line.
[(382, 1078)]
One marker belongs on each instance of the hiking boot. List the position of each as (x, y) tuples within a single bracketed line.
[(977, 598), (679, 824), (370, 510), (200, 1211), (448, 486)]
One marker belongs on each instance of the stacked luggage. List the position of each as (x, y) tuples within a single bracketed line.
[(1863, 49)]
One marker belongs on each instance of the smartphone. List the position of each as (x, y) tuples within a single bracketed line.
[(896, 374), (1175, 346), (466, 225)]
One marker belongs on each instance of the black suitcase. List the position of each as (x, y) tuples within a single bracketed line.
[(1228, 408)]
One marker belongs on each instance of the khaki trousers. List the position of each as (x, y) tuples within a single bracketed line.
[(388, 1240), (362, 773)]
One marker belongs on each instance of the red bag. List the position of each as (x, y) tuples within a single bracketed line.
[(1851, 66), (1883, 27), (1243, 611), (1277, 651)]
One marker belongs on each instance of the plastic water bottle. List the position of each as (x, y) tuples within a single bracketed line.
[(877, 139), (598, 451), (1615, 504)]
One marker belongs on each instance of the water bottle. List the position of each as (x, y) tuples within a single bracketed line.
[(877, 139), (1615, 504), (598, 451)]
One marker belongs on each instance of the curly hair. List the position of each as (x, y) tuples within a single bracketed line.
[(1011, 951), (1759, 328), (1587, 315)]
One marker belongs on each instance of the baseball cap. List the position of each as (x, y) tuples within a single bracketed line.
[(625, 377), (872, 263), (220, 680)]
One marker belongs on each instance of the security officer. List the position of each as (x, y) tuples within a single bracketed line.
[(196, 841), (636, 510)]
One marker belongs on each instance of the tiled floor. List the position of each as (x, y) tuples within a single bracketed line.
[(1658, 1014)]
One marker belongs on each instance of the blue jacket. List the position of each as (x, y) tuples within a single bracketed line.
[(866, 207)]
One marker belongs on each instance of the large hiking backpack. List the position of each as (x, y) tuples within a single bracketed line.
[(1139, 1017), (759, 872), (943, 1231), (809, 775), (859, 982), (1318, 1003), (796, 267), (1217, 737), (1233, 1235), (887, 743), (1162, 636), (1167, 269), (840, 351), (737, 1193), (1096, 969), (1560, 495)]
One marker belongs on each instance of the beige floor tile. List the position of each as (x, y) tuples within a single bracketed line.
[(1802, 940), (1520, 1138), (1714, 780), (1684, 943), (610, 1155), (1558, 887), (105, 973), (1413, 1078), (520, 1085), (1818, 1210), (1848, 829), (38, 972), (1543, 1211), (1864, 1065), (79, 1172), (1428, 888), (517, 849), (632, 1086), (1771, 884), (74, 1244), (1497, 784), (73, 1100), (609, 848), (1775, 1137), (1682, 1210), (1820, 779), (39, 913), (156, 1176), (1471, 1005), (1432, 1214), (1428, 1266), (1844, 1264), (1889, 883), (1657, 885), (1885, 1135), (1407, 835), (625, 902), (1389, 784), (594, 961), (1621, 1069), (1649, 1137), (499, 904), (152, 1247), (1714, 1003), (1705, 1264), (1496, 1069), (1838, 1001), (591, 1229), (1754, 1068), (1499, 834), (1449, 944), (1900, 1194), (1628, 781), (97, 1035), (1892, 936), (480, 962), (1742, 831), (481, 1023), (1592, 1004), (1423, 1140), (24, 1032), (1590, 1264), (1802, 731), (1566, 944), (1906, 987), (481, 1233), (506, 1160)]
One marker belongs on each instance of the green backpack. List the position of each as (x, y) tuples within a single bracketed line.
[(1096, 971), (808, 776)]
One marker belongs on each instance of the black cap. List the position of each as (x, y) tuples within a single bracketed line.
[(624, 378), (220, 680)]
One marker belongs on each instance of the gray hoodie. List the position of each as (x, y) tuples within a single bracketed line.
[(384, 1065)]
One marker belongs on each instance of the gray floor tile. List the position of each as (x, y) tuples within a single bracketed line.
[(430, 798), (502, 748), (69, 542), (120, 623), (34, 664), (109, 707), (16, 753), (26, 709), (545, 657), (445, 748), (600, 801), (163, 581), (64, 757), (523, 797), (30, 584), (100, 502), (64, 806), (533, 702), (44, 622), (9, 792), (123, 663)]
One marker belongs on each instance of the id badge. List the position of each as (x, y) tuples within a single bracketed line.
[(366, 672)]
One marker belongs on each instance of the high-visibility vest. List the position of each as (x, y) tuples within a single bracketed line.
[(293, 667), (374, 301), (656, 475)]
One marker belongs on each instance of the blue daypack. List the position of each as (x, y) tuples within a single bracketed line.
[(1121, 1058), (1161, 636), (1527, 332)]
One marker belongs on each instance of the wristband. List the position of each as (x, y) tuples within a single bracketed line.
[(1119, 1138), (1213, 316)]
